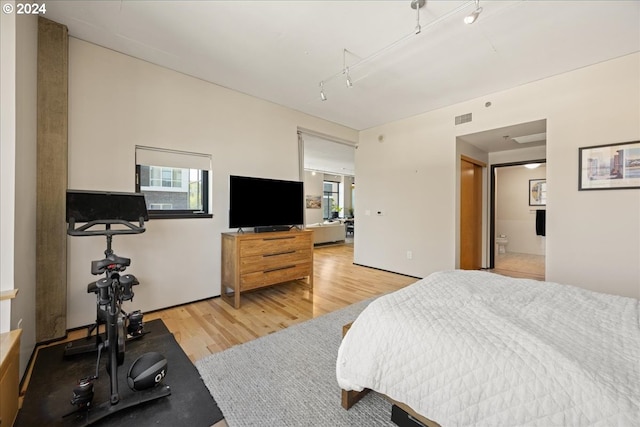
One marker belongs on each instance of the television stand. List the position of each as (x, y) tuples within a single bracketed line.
[(255, 260)]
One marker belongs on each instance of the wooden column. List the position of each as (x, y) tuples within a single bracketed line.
[(51, 246)]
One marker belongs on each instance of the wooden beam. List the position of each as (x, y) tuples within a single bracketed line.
[(51, 181)]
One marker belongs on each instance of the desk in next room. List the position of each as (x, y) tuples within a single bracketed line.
[(255, 260)]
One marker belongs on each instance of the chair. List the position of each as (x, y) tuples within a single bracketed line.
[(350, 226)]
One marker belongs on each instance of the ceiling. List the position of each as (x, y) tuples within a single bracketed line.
[(502, 139), (280, 51)]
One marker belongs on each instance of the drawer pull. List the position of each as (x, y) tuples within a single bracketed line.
[(284, 267), (279, 238), (279, 253)]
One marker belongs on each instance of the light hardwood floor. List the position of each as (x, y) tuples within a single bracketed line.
[(520, 265), (212, 325), (205, 327), (209, 326)]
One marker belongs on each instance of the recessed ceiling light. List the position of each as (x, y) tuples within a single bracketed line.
[(525, 139)]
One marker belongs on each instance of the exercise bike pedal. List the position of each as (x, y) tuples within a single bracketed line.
[(135, 324), (83, 393), (137, 336)]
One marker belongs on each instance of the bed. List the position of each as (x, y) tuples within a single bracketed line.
[(476, 348)]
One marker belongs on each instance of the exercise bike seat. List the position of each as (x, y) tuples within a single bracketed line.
[(100, 266)]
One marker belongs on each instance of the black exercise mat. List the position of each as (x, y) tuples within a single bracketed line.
[(50, 389)]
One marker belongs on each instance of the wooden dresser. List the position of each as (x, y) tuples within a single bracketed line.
[(254, 260)]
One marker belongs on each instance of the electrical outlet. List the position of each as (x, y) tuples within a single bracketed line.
[(409, 255)]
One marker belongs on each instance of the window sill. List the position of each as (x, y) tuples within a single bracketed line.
[(178, 215)]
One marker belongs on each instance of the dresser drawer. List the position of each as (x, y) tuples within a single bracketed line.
[(275, 244), (279, 274), (249, 264)]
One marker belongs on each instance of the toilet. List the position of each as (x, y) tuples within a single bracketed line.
[(502, 241)]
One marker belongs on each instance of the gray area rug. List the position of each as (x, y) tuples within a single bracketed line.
[(288, 378)]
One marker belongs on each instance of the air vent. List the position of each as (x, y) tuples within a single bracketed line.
[(464, 118)]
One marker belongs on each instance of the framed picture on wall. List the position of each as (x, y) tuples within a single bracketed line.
[(609, 167), (314, 202), (537, 192)]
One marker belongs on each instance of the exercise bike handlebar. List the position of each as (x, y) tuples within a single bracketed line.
[(85, 230)]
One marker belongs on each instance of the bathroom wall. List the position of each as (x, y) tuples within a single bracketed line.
[(514, 217)]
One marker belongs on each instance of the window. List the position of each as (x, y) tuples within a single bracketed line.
[(164, 178), (175, 183), (157, 206), (331, 195)]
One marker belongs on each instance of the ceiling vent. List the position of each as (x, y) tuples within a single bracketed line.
[(464, 118)]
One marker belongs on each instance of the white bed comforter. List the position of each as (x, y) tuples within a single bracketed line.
[(476, 348)]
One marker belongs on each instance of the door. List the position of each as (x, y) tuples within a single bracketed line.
[(470, 214)]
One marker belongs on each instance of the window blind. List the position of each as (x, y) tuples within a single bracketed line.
[(152, 156)]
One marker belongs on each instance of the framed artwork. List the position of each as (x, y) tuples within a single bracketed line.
[(609, 167), (314, 202), (537, 192)]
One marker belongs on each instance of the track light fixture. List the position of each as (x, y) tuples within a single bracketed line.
[(416, 5), (473, 16), (345, 69), (322, 95), (348, 81)]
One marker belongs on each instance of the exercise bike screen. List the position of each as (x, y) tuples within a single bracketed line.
[(85, 206)]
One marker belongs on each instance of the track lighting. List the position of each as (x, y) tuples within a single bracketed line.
[(417, 4), (418, 29), (473, 16), (345, 69)]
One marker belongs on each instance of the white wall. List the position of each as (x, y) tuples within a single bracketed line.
[(18, 120), (116, 102), (514, 217), (7, 159), (313, 187), (411, 177), (23, 310), (520, 155)]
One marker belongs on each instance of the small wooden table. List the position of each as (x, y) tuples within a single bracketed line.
[(9, 376)]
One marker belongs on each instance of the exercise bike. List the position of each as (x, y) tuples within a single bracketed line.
[(119, 209)]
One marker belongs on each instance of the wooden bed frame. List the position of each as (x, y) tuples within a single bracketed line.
[(350, 398)]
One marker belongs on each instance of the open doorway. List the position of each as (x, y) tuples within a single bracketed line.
[(518, 213), (511, 237), (328, 171)]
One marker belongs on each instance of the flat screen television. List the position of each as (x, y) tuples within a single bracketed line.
[(261, 202)]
